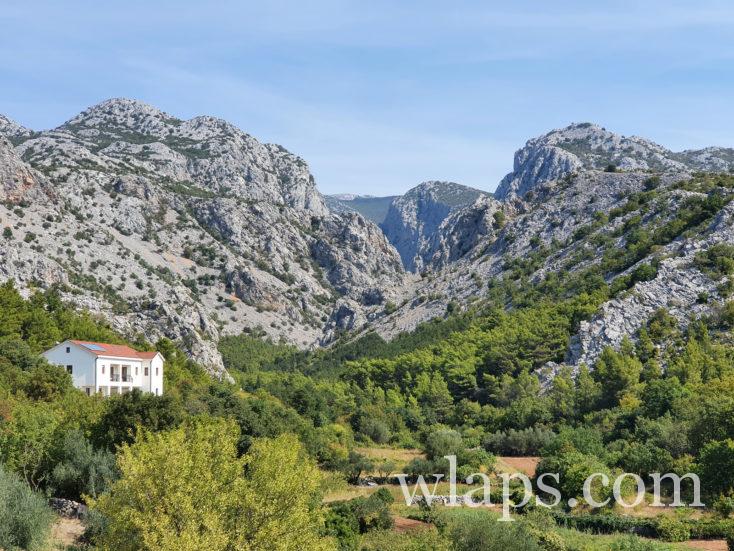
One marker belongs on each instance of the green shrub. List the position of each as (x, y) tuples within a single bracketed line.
[(25, 519), (633, 543), (476, 530), (724, 505), (672, 529), (551, 541), (716, 261), (82, 470), (421, 540)]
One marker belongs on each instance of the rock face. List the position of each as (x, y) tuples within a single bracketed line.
[(413, 219), (16, 179), (185, 229), (586, 146)]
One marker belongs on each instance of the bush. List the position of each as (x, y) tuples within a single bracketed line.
[(716, 261), (551, 541), (633, 543), (25, 519), (730, 541), (724, 506), (481, 531), (529, 441), (82, 470), (672, 529)]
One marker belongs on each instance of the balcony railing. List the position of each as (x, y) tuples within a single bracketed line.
[(115, 377), (127, 378)]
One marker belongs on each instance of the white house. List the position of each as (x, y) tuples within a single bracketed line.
[(108, 368)]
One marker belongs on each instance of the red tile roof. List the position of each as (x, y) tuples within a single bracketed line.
[(114, 350)]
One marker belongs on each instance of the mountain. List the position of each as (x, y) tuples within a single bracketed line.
[(587, 146), (193, 230), (372, 208), (186, 229), (413, 219)]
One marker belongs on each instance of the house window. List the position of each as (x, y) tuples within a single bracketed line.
[(146, 371), (156, 392), (136, 370), (156, 371), (103, 369), (68, 349), (69, 369)]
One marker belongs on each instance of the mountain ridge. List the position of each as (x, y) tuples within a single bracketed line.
[(193, 229)]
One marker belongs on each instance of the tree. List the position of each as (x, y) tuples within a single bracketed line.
[(354, 465), (442, 442), (125, 413), (385, 468), (716, 467), (617, 372), (184, 490), (81, 470), (27, 441), (47, 382), (281, 510)]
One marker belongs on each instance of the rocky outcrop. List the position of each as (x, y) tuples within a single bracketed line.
[(677, 288), (586, 146), (13, 131), (16, 179), (414, 219), (463, 230)]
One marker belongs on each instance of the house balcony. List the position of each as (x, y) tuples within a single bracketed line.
[(115, 378)]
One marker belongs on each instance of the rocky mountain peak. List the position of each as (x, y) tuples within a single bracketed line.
[(587, 146), (12, 130), (414, 218), (204, 154), (123, 113)]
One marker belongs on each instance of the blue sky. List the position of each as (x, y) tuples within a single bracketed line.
[(379, 96)]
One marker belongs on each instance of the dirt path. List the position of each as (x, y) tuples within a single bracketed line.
[(707, 545), (65, 532), (525, 465), (403, 524)]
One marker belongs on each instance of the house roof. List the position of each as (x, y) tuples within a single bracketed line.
[(114, 350)]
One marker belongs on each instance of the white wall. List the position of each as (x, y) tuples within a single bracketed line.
[(108, 362), (156, 381), (82, 362)]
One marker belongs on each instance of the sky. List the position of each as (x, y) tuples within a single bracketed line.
[(379, 96)]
